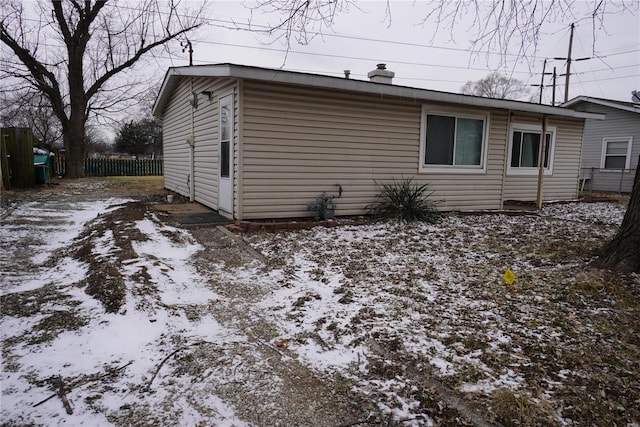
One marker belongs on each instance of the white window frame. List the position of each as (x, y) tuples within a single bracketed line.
[(627, 163), (527, 128), (455, 169)]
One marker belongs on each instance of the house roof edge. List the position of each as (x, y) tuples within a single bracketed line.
[(339, 83), (612, 103)]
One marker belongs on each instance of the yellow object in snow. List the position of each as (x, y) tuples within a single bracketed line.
[(509, 277)]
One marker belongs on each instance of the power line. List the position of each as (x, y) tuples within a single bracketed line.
[(421, 64), (318, 54), (370, 59), (251, 27), (328, 55), (613, 78), (267, 29)]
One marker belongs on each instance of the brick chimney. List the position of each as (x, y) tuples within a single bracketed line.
[(381, 74)]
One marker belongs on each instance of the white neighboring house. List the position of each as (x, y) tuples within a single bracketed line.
[(610, 147)]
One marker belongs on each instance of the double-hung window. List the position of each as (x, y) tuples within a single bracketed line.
[(525, 150), (616, 153), (453, 142)]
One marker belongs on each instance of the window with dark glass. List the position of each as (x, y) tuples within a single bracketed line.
[(225, 140), (615, 154), (453, 141), (525, 149)]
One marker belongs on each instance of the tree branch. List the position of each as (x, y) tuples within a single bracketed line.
[(93, 89), (43, 79)]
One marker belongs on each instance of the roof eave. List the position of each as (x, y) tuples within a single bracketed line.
[(607, 103), (329, 82)]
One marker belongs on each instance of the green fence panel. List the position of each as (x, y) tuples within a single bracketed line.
[(116, 167)]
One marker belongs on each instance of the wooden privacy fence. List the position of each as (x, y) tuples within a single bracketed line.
[(16, 158), (115, 167)]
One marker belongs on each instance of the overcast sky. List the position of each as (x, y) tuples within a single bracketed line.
[(420, 56), (364, 36)]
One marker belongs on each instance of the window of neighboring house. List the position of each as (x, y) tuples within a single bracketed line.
[(616, 153), (524, 150), (452, 142)]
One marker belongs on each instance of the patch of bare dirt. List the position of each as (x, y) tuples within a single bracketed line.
[(307, 397), (104, 280)]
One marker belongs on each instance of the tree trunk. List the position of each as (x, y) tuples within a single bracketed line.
[(75, 141), (75, 149), (623, 252)]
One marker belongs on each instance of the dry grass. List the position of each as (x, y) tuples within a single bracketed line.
[(558, 346), (513, 409)]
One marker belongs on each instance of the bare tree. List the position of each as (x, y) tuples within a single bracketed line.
[(97, 144), (495, 85), (301, 20), (27, 108), (511, 27), (71, 51)]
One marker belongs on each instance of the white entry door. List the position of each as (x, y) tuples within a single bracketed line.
[(225, 156)]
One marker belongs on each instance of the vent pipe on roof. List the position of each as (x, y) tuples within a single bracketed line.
[(347, 73), (381, 74)]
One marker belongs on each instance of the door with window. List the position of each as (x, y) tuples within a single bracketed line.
[(225, 154)]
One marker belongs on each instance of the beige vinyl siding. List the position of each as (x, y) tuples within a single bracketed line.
[(206, 137), (562, 184), (474, 191), (176, 130), (298, 143)]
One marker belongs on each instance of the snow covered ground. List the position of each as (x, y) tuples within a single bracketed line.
[(125, 312), (390, 305), (109, 362)]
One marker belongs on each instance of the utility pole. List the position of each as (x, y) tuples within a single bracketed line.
[(553, 97), (544, 67), (566, 83), (567, 75), (544, 73)]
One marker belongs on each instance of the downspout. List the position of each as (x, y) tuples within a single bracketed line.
[(506, 159), (543, 150), (192, 144)]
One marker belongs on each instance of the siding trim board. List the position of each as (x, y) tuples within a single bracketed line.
[(293, 142)]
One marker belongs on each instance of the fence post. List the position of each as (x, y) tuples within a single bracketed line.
[(6, 184)]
